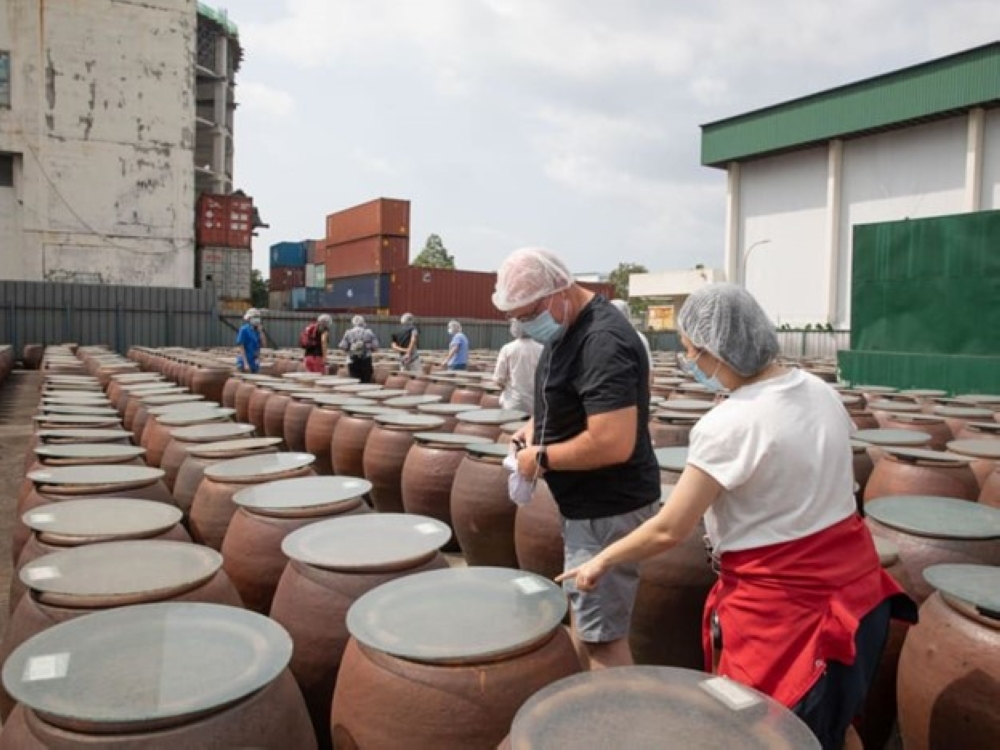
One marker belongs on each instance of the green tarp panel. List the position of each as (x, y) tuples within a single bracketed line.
[(954, 374)]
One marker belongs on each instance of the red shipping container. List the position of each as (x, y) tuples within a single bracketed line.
[(287, 277), (372, 255), (382, 216), (224, 221), (443, 293)]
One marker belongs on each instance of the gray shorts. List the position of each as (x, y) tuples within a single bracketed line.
[(604, 614)]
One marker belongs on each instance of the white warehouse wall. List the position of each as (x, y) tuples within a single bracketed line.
[(102, 116), (991, 161), (912, 173), (783, 199)]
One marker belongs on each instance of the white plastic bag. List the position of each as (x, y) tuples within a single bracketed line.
[(519, 487)]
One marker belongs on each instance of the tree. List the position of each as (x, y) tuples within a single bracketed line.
[(258, 289), (619, 277), (434, 255)]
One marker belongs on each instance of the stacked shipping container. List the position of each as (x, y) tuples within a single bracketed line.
[(223, 235)]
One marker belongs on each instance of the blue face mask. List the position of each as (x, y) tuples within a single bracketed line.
[(543, 328), (711, 383)]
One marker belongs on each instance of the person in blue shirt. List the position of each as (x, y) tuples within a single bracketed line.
[(249, 339), (458, 348)]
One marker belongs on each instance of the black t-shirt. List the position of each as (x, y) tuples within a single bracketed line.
[(402, 335), (598, 365)]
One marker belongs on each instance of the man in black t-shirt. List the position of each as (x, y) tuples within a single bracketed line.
[(589, 437)]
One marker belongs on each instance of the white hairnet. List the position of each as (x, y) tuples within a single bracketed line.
[(726, 320), (253, 312), (621, 306), (357, 321), (528, 275), (325, 320), (406, 318), (454, 326)]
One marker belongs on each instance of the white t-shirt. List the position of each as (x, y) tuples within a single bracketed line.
[(781, 450), (515, 371)]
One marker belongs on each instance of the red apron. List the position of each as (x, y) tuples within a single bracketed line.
[(788, 608)]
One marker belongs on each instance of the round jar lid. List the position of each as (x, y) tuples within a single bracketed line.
[(982, 448), (924, 393), (258, 468), (182, 407), (339, 401), (509, 428), (212, 432), (227, 447), (892, 437), (89, 420), (384, 394), (176, 660), (687, 417), (97, 452), (963, 412), (83, 436), (687, 405), (449, 439), (409, 421), (136, 377), (928, 456), (875, 388), (358, 388), (989, 428), (900, 406), (171, 398), (104, 475), (102, 517), (941, 517), (304, 493), (458, 615), (672, 458), (981, 398), (975, 587), (119, 573), (409, 402), (497, 451), (367, 543), (196, 416), (303, 376), (655, 707), (368, 410), (335, 380), (491, 416), (446, 409), (917, 419), (95, 411), (888, 551)]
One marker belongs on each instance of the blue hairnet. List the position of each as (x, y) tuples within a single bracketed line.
[(726, 320)]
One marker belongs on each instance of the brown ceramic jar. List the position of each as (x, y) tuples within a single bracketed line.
[(159, 427), (446, 411), (984, 455), (486, 422), (201, 456), (667, 428), (297, 413), (538, 534), (321, 425), (181, 438), (267, 513), (384, 453), (331, 564), (913, 471), (80, 454), (481, 508), (347, 445), (923, 423), (957, 417)]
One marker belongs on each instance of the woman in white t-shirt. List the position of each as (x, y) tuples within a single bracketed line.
[(802, 606)]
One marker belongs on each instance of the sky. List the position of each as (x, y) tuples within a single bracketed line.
[(569, 124)]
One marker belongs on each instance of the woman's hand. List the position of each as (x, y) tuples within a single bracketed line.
[(585, 576)]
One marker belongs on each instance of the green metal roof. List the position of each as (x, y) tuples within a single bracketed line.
[(931, 90), (221, 17)]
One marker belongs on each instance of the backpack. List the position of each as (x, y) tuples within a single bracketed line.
[(359, 349), (309, 338)]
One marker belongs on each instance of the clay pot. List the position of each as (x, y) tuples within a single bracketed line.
[(416, 386), (412, 402), (984, 455), (980, 431), (80, 454), (72, 437), (864, 420), (486, 422), (256, 406), (159, 428), (213, 505), (321, 424), (878, 440), (863, 467), (74, 523), (538, 534), (481, 508), (429, 471), (932, 530), (442, 387), (60, 483), (75, 582), (957, 417), (182, 438), (331, 564), (297, 413), (225, 685), (467, 394), (347, 445), (949, 669), (447, 412), (228, 396), (267, 513), (384, 453), (936, 427), (201, 456), (990, 494), (163, 404), (904, 471), (489, 635), (210, 381), (628, 707)]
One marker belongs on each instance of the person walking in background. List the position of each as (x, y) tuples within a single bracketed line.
[(802, 606), (359, 342), (405, 341), (458, 348), (589, 437), (249, 339), (315, 340), (517, 362)]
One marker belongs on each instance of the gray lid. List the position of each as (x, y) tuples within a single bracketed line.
[(989, 428), (900, 406), (179, 660), (339, 401), (918, 454), (212, 432), (975, 587), (963, 412), (171, 398), (672, 458), (688, 404), (409, 402), (95, 475), (916, 419), (384, 394), (923, 393), (368, 410), (449, 440), (83, 435), (888, 551), (302, 493), (941, 517), (103, 517), (97, 411), (221, 448), (405, 420), (458, 615), (370, 542), (491, 416), (185, 418), (357, 388), (335, 380), (875, 388), (488, 450), (182, 407), (892, 437), (76, 419), (981, 398), (258, 468), (687, 417), (97, 451), (447, 409), (983, 448)]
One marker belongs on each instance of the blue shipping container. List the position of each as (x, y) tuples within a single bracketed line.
[(285, 254), (350, 293)]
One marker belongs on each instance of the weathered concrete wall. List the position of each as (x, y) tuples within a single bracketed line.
[(103, 117)]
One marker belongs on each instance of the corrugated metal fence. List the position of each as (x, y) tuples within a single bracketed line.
[(124, 316)]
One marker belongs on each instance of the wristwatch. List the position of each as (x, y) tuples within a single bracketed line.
[(543, 457)]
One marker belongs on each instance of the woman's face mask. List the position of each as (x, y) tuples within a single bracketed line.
[(690, 366)]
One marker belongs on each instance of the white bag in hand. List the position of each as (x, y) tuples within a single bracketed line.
[(519, 487)]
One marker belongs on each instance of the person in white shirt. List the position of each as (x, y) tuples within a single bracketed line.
[(515, 370), (622, 306)]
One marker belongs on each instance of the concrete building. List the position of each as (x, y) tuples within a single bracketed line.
[(666, 291), (918, 142), (100, 123)]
